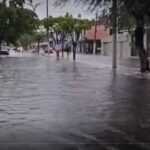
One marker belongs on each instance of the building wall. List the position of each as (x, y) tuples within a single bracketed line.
[(107, 48), (123, 47), (126, 42)]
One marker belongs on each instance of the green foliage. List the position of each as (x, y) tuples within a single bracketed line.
[(17, 3), (16, 21), (48, 22), (130, 12), (25, 40), (67, 25), (125, 20), (38, 37)]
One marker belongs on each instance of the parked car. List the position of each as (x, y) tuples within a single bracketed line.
[(5, 50)]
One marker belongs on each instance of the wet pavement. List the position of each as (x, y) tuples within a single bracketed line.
[(49, 104)]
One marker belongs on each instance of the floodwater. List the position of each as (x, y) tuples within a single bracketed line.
[(50, 104)]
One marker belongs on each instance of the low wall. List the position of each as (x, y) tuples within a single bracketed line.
[(123, 47)]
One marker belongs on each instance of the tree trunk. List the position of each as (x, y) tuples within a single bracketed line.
[(74, 51), (139, 43), (1, 39), (62, 52), (62, 49), (0, 44), (80, 47), (38, 47)]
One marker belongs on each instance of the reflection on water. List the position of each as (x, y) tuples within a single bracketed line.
[(61, 105)]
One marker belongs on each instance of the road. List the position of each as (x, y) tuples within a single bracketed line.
[(51, 104)]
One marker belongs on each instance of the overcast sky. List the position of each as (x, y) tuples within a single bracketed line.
[(72, 8)]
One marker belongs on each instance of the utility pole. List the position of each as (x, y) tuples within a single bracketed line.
[(47, 14), (95, 34), (114, 61)]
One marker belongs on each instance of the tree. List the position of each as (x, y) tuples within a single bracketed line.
[(38, 37), (34, 6), (66, 26), (59, 29), (15, 21), (48, 24), (25, 40), (3, 21), (138, 10), (16, 3), (75, 28)]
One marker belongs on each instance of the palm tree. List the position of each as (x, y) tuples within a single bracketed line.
[(34, 6)]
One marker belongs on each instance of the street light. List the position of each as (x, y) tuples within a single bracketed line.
[(47, 14), (95, 33), (114, 59)]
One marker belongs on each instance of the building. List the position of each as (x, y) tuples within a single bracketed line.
[(103, 36), (97, 34)]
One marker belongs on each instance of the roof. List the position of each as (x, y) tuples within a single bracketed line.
[(101, 33)]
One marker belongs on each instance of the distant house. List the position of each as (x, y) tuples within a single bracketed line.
[(125, 44), (104, 42), (97, 33), (101, 33)]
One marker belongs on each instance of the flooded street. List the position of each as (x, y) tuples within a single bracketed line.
[(49, 104)]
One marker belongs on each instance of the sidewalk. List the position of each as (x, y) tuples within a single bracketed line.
[(125, 66)]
